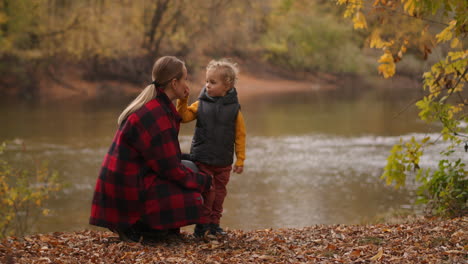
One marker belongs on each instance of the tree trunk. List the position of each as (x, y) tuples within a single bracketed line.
[(159, 11)]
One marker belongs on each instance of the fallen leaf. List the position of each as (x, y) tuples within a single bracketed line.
[(355, 253), (379, 255), (331, 247)]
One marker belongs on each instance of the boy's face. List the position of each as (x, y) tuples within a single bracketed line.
[(215, 85)]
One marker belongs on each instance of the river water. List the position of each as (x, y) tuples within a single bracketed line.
[(313, 157)]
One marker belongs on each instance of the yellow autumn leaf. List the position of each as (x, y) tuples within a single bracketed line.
[(403, 49), (409, 6), (352, 6), (446, 34), (387, 66), (377, 42), (458, 55), (387, 70), (455, 43), (456, 108), (359, 21)]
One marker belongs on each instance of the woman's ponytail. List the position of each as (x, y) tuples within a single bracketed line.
[(145, 96)]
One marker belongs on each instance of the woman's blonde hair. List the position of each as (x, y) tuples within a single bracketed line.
[(165, 69), (229, 70)]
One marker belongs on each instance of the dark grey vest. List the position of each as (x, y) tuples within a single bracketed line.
[(215, 131)]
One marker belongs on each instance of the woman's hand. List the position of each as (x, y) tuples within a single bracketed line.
[(238, 169), (186, 92)]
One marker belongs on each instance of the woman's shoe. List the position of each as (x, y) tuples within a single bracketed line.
[(129, 235), (155, 235), (174, 232), (200, 230)]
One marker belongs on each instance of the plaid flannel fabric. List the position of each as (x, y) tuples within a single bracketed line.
[(142, 177)]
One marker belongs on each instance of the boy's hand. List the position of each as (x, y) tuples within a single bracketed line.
[(238, 169)]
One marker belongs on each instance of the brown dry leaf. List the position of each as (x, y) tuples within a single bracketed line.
[(331, 247), (378, 256), (44, 238), (454, 252), (355, 253), (278, 240)]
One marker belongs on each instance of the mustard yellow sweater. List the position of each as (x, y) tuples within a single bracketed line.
[(189, 113)]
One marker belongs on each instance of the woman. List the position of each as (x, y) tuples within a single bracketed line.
[(142, 184)]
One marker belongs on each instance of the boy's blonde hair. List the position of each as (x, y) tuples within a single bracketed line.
[(229, 70)]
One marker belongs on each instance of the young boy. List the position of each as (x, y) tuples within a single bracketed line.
[(220, 130)]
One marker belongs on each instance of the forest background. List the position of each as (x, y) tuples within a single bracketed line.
[(52, 49)]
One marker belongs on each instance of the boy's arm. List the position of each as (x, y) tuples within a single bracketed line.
[(240, 140), (188, 113)]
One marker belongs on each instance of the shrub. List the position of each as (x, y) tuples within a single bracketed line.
[(445, 191), (23, 193)]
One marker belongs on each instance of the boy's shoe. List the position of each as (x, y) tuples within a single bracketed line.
[(215, 229), (200, 230)]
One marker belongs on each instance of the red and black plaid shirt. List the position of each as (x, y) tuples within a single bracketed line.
[(142, 177)]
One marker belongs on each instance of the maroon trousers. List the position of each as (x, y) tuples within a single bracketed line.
[(214, 198)]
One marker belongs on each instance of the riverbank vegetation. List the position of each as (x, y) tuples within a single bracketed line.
[(24, 190), (431, 24)]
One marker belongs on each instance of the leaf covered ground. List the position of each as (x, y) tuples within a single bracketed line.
[(422, 241)]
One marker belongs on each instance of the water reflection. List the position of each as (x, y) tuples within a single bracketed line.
[(312, 158), (314, 179), (335, 112)]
